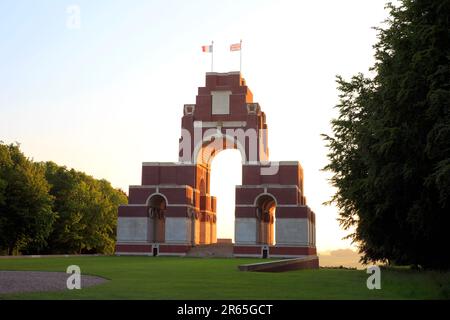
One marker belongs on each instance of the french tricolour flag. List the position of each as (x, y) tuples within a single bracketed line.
[(207, 48)]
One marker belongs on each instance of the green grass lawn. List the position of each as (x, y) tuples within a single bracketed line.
[(197, 278)]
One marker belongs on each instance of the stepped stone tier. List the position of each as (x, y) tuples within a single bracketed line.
[(172, 210)]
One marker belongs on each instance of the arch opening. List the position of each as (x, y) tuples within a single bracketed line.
[(226, 173)]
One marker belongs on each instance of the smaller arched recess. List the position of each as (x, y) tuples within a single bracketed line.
[(265, 205), (156, 206)]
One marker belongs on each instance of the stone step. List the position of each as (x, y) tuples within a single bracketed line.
[(223, 250)]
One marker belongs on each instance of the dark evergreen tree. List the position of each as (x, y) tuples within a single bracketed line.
[(390, 148)]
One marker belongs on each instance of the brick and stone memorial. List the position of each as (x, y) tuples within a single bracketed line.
[(172, 211)]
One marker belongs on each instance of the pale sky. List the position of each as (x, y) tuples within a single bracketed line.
[(108, 96)]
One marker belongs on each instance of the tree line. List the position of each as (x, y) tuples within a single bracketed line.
[(49, 209), (389, 152)]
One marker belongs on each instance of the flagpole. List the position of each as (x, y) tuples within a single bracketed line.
[(212, 56), (240, 58)]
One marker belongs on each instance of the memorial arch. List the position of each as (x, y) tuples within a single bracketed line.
[(271, 215)]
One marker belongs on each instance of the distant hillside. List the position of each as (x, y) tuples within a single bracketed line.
[(342, 257)]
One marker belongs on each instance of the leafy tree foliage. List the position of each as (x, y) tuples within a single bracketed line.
[(390, 148), (87, 212), (26, 216), (46, 208)]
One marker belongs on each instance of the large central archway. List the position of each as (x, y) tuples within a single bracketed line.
[(226, 174), (213, 146)]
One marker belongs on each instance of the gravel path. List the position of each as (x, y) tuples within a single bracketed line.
[(36, 281)]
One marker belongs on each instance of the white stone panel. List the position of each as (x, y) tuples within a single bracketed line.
[(197, 231), (213, 233), (292, 231), (245, 230), (132, 229), (314, 233), (150, 230), (207, 232), (220, 102), (178, 230)]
